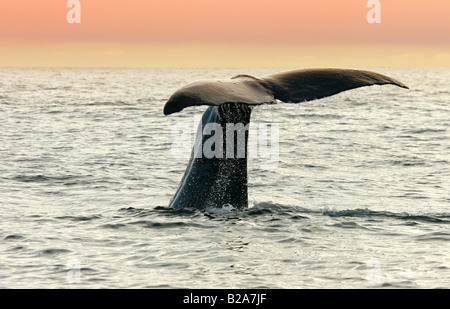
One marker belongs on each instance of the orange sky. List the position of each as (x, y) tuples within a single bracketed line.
[(158, 33)]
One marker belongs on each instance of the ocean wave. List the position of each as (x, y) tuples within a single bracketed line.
[(426, 130), (45, 178), (79, 218), (294, 212)]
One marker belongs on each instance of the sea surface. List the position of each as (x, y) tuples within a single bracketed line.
[(359, 197)]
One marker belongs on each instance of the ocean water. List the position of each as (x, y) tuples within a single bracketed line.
[(359, 198)]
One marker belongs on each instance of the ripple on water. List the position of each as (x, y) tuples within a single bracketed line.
[(434, 236), (79, 218), (13, 237), (53, 251)]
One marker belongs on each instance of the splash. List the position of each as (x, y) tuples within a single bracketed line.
[(226, 208)]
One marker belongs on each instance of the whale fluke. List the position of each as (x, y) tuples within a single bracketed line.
[(290, 87), (310, 84), (222, 179)]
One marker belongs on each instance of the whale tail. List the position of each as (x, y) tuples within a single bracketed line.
[(215, 180), (306, 85), (290, 87)]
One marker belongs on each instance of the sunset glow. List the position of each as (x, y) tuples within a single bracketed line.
[(233, 33)]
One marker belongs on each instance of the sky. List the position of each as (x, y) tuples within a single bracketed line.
[(231, 33)]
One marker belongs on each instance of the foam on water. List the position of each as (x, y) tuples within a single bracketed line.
[(227, 208)]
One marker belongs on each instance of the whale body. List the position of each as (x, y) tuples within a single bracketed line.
[(219, 177)]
